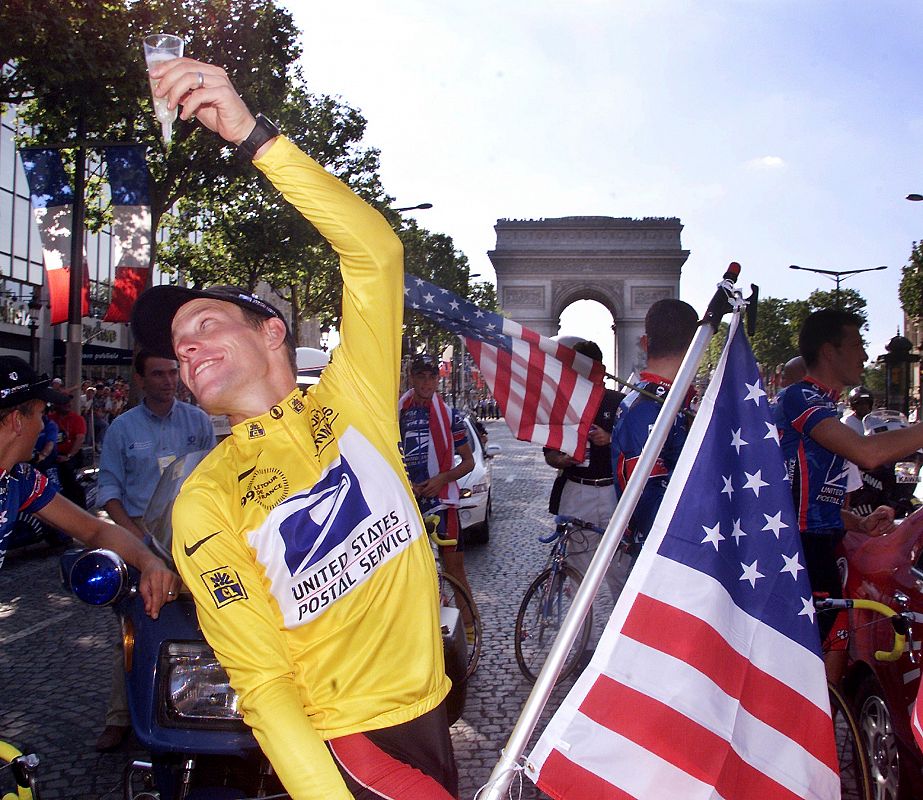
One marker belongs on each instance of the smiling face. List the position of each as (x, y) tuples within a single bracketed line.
[(224, 360), (424, 385)]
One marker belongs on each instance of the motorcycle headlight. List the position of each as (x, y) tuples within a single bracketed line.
[(194, 687), (98, 577)]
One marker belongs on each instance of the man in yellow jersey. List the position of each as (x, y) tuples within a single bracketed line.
[(298, 535)]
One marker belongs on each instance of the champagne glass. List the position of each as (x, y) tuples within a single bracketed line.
[(162, 47)]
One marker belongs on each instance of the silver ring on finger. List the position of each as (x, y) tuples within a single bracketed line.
[(201, 80), (171, 594)]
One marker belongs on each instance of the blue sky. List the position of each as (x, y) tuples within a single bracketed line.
[(778, 132)]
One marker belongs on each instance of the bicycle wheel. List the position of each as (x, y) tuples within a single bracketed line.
[(855, 781), (453, 595), (540, 617)]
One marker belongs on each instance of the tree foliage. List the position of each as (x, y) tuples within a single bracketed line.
[(779, 320), (77, 70), (911, 287)]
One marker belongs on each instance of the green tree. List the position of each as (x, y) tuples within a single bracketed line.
[(911, 287), (76, 69), (772, 341)]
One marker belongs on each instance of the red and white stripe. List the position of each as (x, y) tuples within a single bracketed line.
[(724, 720), (549, 393)]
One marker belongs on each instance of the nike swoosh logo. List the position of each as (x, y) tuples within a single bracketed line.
[(190, 550)]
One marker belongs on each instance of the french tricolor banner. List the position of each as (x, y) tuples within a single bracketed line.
[(708, 681), (131, 228), (52, 199)]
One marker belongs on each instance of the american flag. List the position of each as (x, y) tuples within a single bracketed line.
[(708, 681), (548, 393)]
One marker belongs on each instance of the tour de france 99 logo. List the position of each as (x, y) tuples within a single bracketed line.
[(267, 488)]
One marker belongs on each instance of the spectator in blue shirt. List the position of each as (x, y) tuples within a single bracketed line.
[(139, 445)]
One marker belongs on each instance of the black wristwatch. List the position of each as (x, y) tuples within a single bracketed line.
[(264, 130)]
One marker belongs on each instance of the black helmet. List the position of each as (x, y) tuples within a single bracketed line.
[(859, 394)]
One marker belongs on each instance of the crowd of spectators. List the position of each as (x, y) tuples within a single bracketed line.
[(100, 404)]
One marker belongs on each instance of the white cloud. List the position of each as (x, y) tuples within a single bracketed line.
[(766, 162)]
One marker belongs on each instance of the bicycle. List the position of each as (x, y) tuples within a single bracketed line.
[(20, 771), (452, 594), (546, 603), (852, 745)]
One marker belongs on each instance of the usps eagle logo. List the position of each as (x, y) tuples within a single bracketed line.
[(323, 518)]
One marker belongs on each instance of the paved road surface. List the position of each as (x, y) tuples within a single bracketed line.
[(55, 652)]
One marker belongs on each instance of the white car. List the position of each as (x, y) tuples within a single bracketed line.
[(475, 509)]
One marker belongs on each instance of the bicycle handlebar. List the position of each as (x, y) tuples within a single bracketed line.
[(898, 621), (431, 522), (564, 520)]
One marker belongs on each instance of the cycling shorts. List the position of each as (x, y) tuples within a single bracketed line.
[(414, 759)]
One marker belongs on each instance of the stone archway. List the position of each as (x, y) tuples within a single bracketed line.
[(624, 264)]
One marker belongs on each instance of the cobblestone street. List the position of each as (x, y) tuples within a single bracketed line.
[(55, 652)]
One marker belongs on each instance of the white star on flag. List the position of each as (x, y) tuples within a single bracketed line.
[(728, 489), (774, 523), (751, 573), (712, 536), (807, 608), (772, 432), (755, 481), (791, 565), (754, 392), (738, 532), (428, 298), (736, 440)]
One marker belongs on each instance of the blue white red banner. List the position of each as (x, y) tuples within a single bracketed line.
[(131, 228), (52, 198), (708, 680), (548, 393)]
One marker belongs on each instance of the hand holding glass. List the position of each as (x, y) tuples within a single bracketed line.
[(162, 47)]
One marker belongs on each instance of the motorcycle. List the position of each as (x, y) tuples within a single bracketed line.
[(894, 484), (183, 708)]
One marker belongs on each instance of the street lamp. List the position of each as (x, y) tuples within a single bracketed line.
[(421, 206), (837, 275), (915, 197), (35, 305)]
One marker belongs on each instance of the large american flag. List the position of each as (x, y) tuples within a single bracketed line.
[(708, 681), (549, 394)]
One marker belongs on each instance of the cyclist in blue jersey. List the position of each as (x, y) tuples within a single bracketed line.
[(670, 326), (23, 396), (816, 445)]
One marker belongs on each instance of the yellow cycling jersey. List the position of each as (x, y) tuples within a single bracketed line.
[(299, 536)]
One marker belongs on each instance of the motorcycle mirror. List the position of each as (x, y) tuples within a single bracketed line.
[(98, 577)]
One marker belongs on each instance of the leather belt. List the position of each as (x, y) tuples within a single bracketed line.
[(592, 481)]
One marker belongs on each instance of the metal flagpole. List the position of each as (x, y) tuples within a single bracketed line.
[(506, 767)]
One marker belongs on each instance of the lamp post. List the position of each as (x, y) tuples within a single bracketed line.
[(421, 207), (35, 306), (837, 275), (916, 198)]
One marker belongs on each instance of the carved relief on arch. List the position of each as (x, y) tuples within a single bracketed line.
[(609, 294)]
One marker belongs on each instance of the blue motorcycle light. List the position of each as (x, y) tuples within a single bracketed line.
[(98, 577)]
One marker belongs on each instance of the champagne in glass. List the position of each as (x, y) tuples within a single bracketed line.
[(162, 47)]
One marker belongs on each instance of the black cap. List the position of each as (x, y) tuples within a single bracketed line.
[(424, 363), (152, 315), (19, 383)]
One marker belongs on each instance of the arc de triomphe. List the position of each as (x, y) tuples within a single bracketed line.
[(625, 264)]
